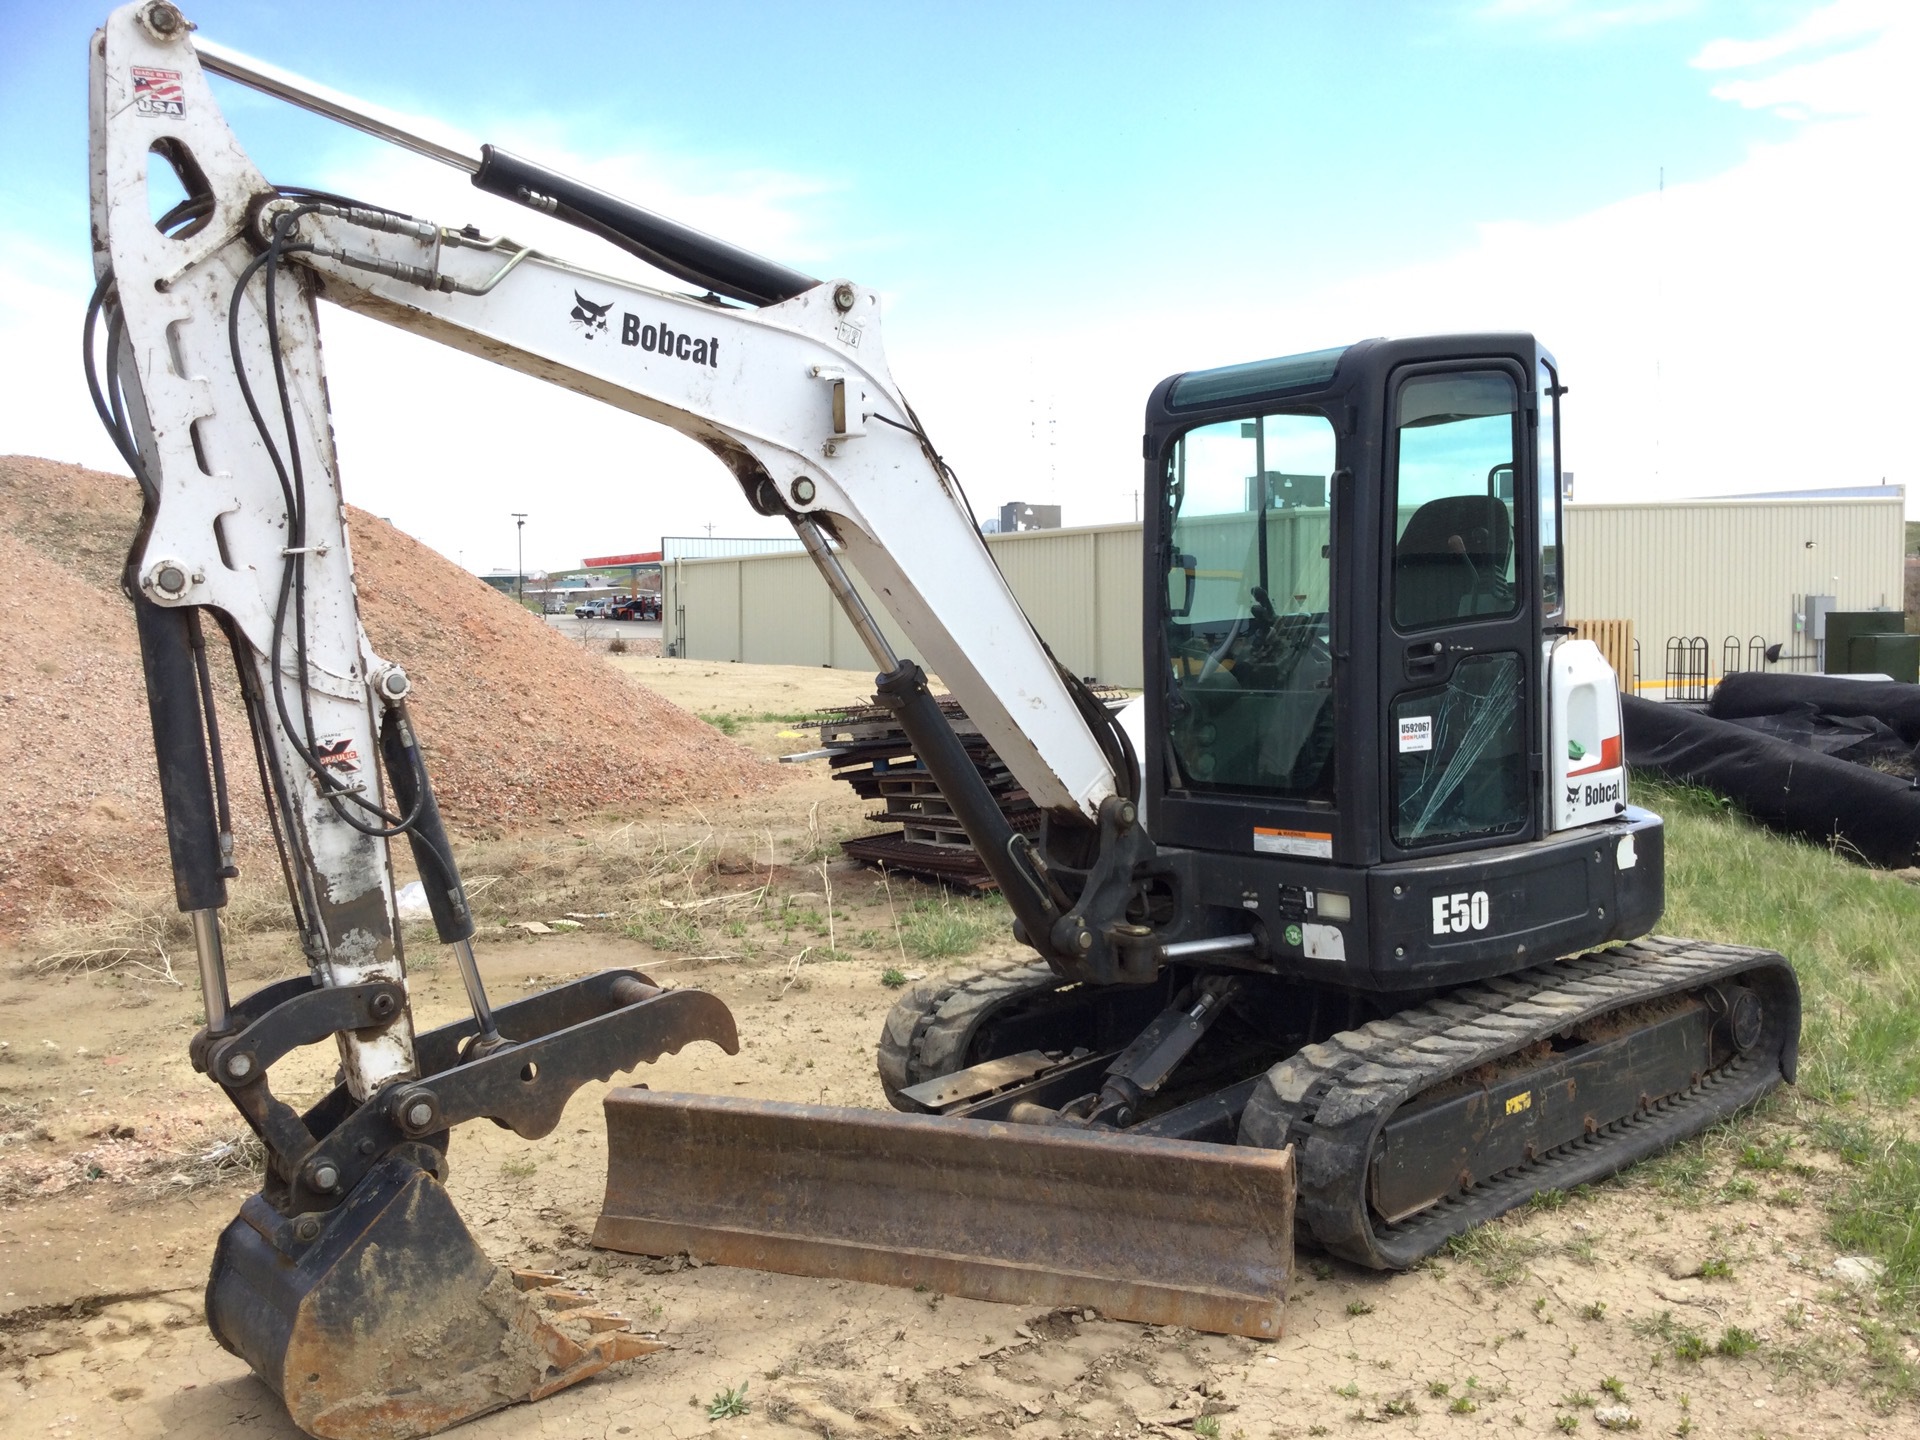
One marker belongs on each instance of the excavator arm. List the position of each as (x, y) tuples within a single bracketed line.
[(351, 1259), (790, 390)]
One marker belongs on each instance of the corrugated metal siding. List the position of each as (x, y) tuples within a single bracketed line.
[(1080, 588), (1711, 568), (1721, 568)]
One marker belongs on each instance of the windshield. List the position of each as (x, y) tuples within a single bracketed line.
[(1247, 611)]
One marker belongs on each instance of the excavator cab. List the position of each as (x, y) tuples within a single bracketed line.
[(1349, 671)]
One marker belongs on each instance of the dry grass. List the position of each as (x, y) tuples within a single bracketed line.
[(135, 935), (686, 889)]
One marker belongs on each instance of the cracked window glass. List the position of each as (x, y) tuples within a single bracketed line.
[(1460, 768)]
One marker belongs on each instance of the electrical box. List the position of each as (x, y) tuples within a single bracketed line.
[(1845, 627), (1897, 656)]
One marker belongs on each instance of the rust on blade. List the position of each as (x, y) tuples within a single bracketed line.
[(1168, 1232)]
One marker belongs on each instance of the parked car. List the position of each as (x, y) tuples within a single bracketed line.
[(635, 607), (591, 610)]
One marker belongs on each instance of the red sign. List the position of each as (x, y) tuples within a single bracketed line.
[(648, 557)]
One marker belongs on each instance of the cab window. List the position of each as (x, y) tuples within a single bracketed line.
[(1453, 543), (1247, 610)]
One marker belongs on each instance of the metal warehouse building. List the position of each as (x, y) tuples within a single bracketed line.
[(1720, 570)]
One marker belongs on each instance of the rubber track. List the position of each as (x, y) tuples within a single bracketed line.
[(930, 1027), (1331, 1100)]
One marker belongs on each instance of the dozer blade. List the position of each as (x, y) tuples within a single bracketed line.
[(1163, 1231), (391, 1322)]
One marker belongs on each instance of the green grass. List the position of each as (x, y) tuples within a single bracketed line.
[(1847, 929), (729, 1403), (1500, 1250), (729, 722), (951, 926), (1848, 932), (1877, 1213)]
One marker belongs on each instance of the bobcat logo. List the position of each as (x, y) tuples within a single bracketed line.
[(1573, 794), (589, 317)]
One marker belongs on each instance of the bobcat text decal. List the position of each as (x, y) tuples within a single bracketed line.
[(662, 341), (591, 319)]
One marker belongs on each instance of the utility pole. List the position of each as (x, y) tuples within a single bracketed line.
[(520, 555)]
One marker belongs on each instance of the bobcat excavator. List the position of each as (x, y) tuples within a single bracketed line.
[(1339, 932)]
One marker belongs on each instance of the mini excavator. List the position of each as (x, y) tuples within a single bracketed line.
[(1341, 930)]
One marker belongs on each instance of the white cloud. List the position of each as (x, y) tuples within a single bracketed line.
[(1843, 20), (44, 408), (1872, 75), (1748, 330)]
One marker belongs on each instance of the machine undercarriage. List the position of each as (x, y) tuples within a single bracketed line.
[(1401, 1127)]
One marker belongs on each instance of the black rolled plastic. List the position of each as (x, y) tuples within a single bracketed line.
[(180, 747), (680, 251), (432, 851), (1749, 694), (1785, 787)]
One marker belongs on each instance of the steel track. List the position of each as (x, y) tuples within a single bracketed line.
[(1331, 1100)]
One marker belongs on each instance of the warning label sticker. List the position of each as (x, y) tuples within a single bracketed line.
[(1310, 844), (1416, 733)]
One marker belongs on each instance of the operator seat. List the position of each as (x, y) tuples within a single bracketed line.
[(1448, 558)]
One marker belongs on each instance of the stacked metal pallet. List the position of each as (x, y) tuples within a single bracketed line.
[(870, 752)]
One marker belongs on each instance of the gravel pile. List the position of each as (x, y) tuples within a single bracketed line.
[(521, 726)]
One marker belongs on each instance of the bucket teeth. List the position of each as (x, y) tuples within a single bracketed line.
[(338, 1327)]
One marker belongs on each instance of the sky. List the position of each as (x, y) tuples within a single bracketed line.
[(1705, 209)]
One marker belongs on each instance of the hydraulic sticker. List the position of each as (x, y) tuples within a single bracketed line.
[(1310, 844), (338, 754)]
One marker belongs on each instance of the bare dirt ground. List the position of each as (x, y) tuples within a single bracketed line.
[(1694, 1298)]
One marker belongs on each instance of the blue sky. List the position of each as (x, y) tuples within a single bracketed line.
[(1064, 202)]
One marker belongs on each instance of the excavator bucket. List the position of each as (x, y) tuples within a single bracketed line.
[(1169, 1232), (390, 1322)]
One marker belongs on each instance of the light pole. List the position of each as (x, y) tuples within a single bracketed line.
[(520, 555)]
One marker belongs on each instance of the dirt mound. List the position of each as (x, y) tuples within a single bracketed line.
[(521, 725)]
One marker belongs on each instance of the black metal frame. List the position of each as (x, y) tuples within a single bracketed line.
[(1552, 894)]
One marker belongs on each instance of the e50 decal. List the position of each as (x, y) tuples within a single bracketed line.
[(1457, 914)]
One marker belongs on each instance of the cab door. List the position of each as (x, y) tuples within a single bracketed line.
[(1459, 653)]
